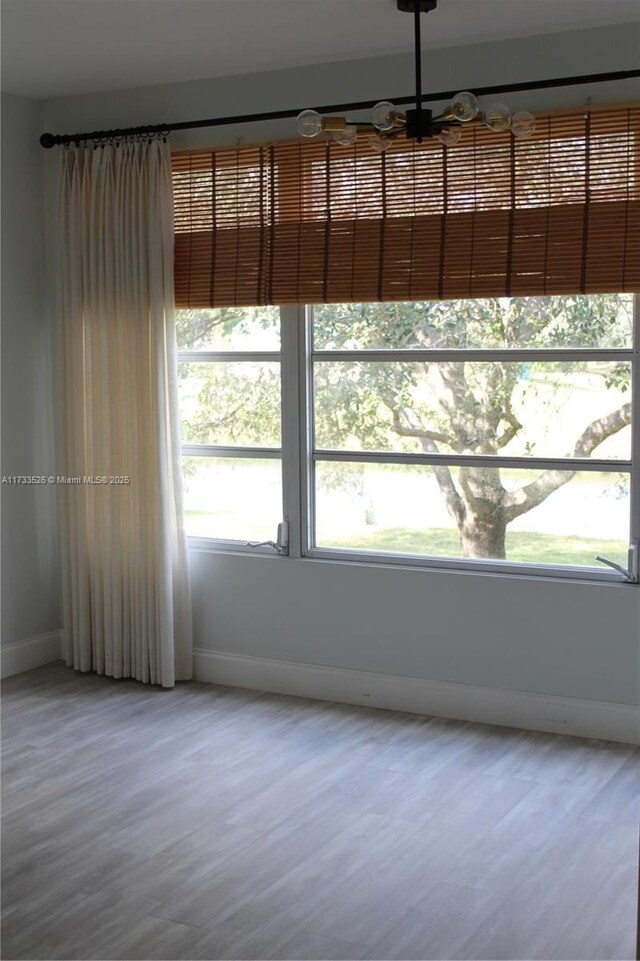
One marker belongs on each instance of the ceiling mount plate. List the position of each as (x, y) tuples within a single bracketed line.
[(409, 6)]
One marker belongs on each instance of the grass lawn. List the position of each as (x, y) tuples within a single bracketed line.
[(521, 545), (437, 541)]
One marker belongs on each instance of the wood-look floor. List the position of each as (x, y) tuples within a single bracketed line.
[(209, 822)]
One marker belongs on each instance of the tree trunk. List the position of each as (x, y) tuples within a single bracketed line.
[(483, 523), (482, 534)]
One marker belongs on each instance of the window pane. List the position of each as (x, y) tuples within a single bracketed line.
[(535, 409), (229, 328), (603, 320), (232, 498), (230, 403), (409, 510)]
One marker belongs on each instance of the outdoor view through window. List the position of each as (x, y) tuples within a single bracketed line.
[(434, 429)]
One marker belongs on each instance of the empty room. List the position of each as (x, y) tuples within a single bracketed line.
[(320, 479)]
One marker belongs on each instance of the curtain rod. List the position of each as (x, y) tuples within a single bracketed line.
[(48, 140)]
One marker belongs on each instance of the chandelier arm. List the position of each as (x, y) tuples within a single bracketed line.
[(362, 126)]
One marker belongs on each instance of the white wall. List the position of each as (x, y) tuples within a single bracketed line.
[(454, 68), (567, 639), (30, 565), (538, 635)]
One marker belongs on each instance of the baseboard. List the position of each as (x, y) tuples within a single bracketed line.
[(538, 712), (31, 652)]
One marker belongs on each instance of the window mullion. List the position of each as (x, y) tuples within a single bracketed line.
[(217, 450), (291, 336), (634, 499), (479, 460), (436, 355), (227, 356), (307, 434)]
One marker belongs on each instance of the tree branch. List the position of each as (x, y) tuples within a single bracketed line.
[(600, 429), (523, 500), (443, 476), (406, 431), (454, 502), (514, 426)]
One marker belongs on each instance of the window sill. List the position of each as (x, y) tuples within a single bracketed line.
[(423, 564), (475, 568)]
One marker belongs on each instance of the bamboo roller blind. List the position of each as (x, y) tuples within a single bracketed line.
[(315, 222)]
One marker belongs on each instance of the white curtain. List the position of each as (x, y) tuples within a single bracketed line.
[(127, 604)]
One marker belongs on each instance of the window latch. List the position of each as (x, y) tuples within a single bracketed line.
[(281, 545), (629, 573)]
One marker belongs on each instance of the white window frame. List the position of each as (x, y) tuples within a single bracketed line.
[(218, 450), (297, 359), (314, 456)]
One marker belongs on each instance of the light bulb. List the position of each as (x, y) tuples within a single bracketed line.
[(380, 144), (497, 117), (464, 106), (523, 124), (345, 137), (383, 115), (449, 136), (309, 123)]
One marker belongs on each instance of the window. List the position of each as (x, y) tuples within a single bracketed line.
[(488, 430), (491, 434), (229, 379), (461, 394)]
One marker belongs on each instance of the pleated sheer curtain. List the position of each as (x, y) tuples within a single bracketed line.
[(126, 584)]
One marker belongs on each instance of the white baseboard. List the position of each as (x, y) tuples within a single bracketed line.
[(538, 712), (31, 652)]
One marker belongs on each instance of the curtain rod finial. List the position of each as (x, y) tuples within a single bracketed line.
[(47, 140)]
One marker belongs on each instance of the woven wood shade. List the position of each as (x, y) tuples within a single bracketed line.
[(314, 222)]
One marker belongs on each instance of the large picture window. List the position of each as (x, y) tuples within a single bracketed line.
[(492, 434), (489, 430)]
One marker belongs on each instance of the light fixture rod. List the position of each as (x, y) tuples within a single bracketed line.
[(418, 62), (48, 140)]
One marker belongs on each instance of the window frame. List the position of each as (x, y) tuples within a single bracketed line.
[(630, 467), (298, 456), (244, 452)]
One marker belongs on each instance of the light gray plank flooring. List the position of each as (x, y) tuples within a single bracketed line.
[(209, 822)]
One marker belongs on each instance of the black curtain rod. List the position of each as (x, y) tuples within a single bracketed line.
[(49, 140)]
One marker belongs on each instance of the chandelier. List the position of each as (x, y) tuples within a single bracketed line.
[(387, 121)]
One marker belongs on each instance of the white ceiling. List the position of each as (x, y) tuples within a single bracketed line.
[(53, 48)]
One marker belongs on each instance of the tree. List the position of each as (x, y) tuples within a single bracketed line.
[(443, 407), (229, 403), (451, 407)]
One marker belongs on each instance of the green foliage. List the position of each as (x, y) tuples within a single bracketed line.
[(231, 404), (464, 408), (228, 403), (220, 328), (570, 321)]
